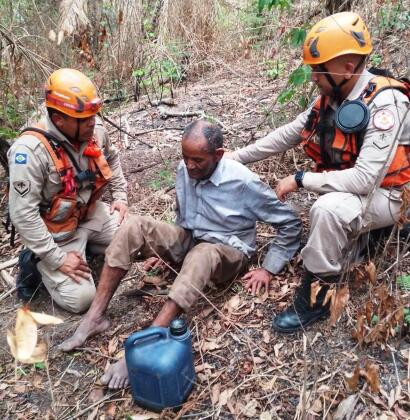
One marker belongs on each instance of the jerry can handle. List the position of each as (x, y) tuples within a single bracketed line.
[(149, 332)]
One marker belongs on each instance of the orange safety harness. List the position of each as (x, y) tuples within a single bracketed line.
[(65, 212), (344, 148)]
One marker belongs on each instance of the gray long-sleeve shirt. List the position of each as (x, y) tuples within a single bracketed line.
[(376, 154), (225, 208), (34, 181)]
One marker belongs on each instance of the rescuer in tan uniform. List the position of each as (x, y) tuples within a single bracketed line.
[(58, 171), (358, 134)]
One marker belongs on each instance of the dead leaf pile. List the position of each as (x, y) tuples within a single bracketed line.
[(370, 373)]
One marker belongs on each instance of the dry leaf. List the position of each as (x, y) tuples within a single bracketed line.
[(317, 405), (338, 303), (110, 411), (250, 409), (233, 303), (371, 272), (52, 35), (353, 380), (96, 394), (25, 334), (112, 345), (358, 334), (225, 396), (329, 296), (202, 367), (314, 290), (372, 376), (266, 336), (394, 396), (247, 367), (216, 391), (209, 345), (45, 319), (346, 407), (265, 416), (146, 416), (276, 349)]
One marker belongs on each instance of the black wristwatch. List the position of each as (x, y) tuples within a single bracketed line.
[(299, 178)]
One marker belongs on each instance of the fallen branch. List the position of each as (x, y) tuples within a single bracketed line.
[(165, 113), (124, 131), (9, 263), (9, 292), (8, 279)]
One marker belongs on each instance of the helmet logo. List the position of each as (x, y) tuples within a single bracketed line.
[(314, 52), (359, 37)]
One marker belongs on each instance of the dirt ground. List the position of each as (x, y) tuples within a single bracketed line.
[(244, 369)]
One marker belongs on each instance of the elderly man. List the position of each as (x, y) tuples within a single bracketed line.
[(358, 134), (58, 171), (219, 202)]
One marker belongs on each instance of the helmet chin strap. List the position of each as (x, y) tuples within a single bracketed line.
[(337, 93)]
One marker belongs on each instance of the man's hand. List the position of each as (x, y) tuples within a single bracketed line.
[(286, 185), (75, 267), (256, 279), (154, 263), (122, 208)]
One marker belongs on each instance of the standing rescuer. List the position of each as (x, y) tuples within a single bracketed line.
[(357, 132), (58, 171)]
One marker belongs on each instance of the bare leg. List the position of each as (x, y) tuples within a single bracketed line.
[(117, 375), (94, 321)]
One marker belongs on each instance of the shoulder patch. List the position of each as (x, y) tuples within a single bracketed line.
[(383, 119), (20, 158), (21, 187)]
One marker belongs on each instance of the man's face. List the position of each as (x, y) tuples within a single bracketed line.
[(336, 71), (199, 162), (69, 125)]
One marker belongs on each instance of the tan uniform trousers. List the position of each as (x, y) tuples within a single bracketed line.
[(336, 218), (72, 296), (141, 237)]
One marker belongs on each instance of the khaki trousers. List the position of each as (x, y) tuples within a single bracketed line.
[(336, 219), (72, 296), (141, 237)]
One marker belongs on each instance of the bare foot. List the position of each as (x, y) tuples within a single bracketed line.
[(116, 376), (87, 328)]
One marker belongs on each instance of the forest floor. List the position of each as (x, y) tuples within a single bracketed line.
[(244, 369)]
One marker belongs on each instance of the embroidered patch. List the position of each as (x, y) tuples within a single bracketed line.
[(20, 158), (21, 187), (383, 119)]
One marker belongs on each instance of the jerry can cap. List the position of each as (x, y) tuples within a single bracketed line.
[(178, 327)]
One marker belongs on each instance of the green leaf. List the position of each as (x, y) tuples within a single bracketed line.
[(300, 76), (39, 365), (404, 282), (297, 36), (286, 95)]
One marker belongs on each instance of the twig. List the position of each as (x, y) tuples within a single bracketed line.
[(8, 279), (124, 131), (9, 263), (4, 295), (53, 402)]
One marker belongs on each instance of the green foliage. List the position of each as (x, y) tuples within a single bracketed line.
[(375, 60), (406, 316), (298, 78), (275, 68), (297, 36), (404, 282), (39, 365), (393, 16), (282, 4), (165, 179)]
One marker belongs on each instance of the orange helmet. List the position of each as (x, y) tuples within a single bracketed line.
[(72, 93), (336, 35)]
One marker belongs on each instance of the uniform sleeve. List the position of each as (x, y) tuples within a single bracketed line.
[(28, 169), (280, 140), (379, 147), (118, 184), (267, 208)]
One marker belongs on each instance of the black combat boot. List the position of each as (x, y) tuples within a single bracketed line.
[(29, 278), (300, 313)]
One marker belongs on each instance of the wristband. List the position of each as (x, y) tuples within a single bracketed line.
[(299, 178)]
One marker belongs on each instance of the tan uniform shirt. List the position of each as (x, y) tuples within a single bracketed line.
[(34, 181), (377, 151)]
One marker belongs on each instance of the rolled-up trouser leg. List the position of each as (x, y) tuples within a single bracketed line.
[(140, 237), (71, 296), (203, 264), (336, 219)]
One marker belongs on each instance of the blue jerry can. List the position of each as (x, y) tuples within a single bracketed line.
[(160, 365)]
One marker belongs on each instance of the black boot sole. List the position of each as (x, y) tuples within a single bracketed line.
[(301, 327)]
